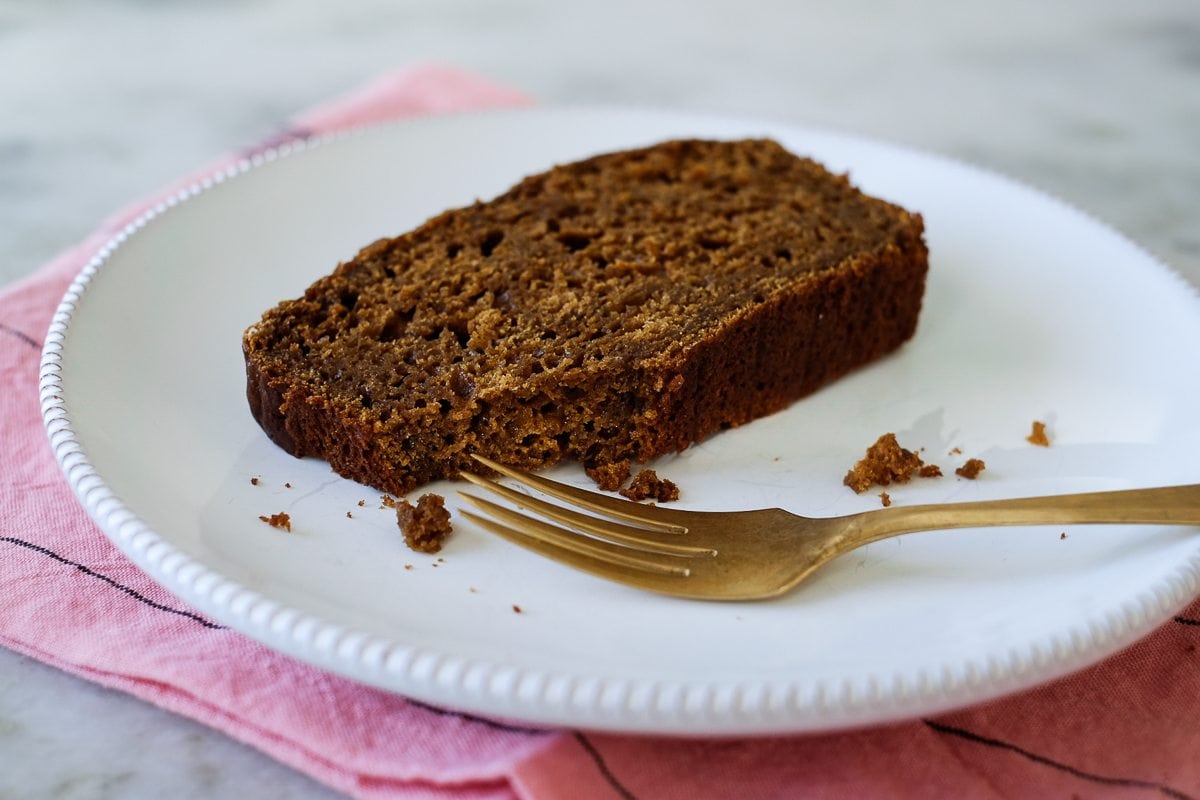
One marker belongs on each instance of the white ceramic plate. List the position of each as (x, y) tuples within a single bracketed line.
[(1033, 311)]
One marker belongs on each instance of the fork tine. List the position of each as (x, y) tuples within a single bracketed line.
[(579, 551), (605, 529), (634, 578), (648, 516)]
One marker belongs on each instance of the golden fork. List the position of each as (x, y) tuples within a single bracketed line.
[(751, 555)]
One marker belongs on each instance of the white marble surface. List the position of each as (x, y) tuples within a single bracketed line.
[(1097, 101)]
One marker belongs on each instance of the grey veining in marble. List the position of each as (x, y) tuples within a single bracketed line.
[(1096, 101)]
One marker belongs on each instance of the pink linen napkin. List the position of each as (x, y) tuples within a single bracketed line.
[(1128, 727)]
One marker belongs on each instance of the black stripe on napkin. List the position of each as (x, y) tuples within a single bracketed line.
[(499, 726), (24, 337), (1131, 783), (136, 595), (605, 771)]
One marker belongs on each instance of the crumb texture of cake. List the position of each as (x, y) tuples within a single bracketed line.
[(425, 525), (647, 485), (608, 477), (280, 520), (971, 469), (1038, 435), (609, 311), (885, 463)]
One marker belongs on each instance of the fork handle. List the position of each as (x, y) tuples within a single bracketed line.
[(1171, 505)]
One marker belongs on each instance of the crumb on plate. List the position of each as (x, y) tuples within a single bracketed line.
[(1038, 435), (280, 520), (648, 484), (425, 525), (886, 462), (971, 469), (608, 477)]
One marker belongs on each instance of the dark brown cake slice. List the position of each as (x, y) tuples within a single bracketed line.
[(610, 311)]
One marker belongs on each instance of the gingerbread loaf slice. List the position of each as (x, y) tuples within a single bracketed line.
[(609, 311)]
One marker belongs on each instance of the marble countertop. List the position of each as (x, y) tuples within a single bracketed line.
[(1096, 101)]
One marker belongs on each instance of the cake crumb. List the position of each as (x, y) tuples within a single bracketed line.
[(472, 590), (254, 481), (608, 477), (887, 462), (349, 515), (425, 525), (362, 503), (387, 501), (408, 566), (516, 609), (1062, 536), (280, 520), (971, 469), (1038, 435), (885, 499), (648, 484), (955, 451), (287, 486)]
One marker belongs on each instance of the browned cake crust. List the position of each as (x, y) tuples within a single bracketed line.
[(611, 310)]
